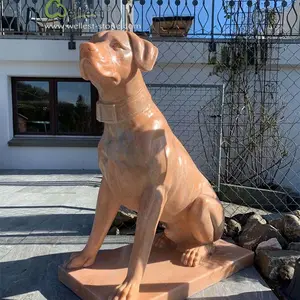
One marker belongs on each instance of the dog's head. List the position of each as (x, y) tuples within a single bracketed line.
[(112, 57)]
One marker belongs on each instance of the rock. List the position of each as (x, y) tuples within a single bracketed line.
[(252, 221), (291, 228), (271, 244), (277, 223), (242, 218), (233, 228), (113, 231), (288, 225), (270, 261), (297, 213), (254, 233), (286, 272), (294, 246), (273, 216), (256, 218), (124, 217)]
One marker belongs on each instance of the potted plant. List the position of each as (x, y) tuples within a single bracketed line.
[(176, 26)]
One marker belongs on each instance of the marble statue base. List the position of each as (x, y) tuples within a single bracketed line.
[(165, 277)]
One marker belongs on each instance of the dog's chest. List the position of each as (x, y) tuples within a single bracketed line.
[(118, 160), (120, 148)]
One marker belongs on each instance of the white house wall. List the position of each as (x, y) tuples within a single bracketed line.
[(40, 59)]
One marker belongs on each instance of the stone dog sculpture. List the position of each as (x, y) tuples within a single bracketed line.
[(144, 166)]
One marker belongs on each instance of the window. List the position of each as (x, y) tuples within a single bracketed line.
[(74, 107), (53, 106)]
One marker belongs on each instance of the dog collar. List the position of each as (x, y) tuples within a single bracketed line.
[(116, 113)]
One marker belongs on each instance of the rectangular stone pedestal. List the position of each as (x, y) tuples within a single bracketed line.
[(165, 277)]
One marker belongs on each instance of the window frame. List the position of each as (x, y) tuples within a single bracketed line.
[(53, 104)]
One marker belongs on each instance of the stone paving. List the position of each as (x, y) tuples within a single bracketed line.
[(44, 216)]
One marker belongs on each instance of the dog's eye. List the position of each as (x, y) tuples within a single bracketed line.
[(116, 46)]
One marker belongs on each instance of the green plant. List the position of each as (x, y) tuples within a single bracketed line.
[(254, 148)]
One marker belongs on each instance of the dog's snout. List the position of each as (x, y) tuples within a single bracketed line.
[(87, 49)]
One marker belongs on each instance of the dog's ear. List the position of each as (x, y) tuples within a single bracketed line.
[(144, 52)]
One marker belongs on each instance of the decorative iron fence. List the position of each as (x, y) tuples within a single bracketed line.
[(162, 18)]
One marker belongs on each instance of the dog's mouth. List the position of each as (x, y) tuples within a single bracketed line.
[(90, 70), (87, 52)]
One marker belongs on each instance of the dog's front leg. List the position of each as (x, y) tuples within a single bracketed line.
[(150, 210), (106, 210)]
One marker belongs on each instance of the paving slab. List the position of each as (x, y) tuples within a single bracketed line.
[(244, 285)]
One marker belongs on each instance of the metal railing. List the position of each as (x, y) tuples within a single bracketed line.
[(162, 18)]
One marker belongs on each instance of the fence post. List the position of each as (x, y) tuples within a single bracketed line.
[(212, 19), (212, 47), (129, 20), (1, 14), (220, 141)]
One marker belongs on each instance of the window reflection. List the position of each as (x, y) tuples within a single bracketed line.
[(33, 112), (74, 107)]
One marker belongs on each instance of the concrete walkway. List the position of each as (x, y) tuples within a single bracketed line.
[(45, 216)]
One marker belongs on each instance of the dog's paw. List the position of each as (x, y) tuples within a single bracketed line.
[(80, 260), (193, 257), (128, 290)]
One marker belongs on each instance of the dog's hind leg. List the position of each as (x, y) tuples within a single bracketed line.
[(206, 222), (196, 230)]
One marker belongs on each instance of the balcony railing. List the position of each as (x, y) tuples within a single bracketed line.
[(163, 18)]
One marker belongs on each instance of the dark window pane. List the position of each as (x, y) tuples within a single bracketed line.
[(33, 109), (74, 107)]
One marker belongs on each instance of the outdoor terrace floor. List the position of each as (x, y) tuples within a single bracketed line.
[(45, 216)]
